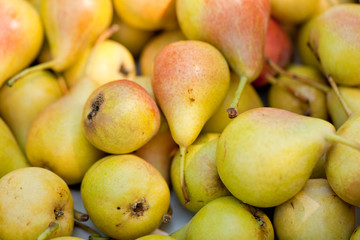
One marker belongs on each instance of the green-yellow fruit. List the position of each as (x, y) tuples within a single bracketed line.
[(156, 237), (293, 11)]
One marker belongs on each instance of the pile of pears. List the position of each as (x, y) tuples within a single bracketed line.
[(247, 110)]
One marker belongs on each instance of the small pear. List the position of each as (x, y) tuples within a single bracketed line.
[(307, 215), (21, 35), (20, 104), (293, 11), (11, 156)]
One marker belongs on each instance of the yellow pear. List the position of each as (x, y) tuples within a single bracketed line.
[(156, 237), (326, 4), (293, 11)]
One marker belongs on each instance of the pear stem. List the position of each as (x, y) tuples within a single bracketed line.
[(87, 229), (232, 111), (342, 140), (48, 231), (167, 217), (81, 217), (182, 175), (41, 66), (339, 96), (297, 77)]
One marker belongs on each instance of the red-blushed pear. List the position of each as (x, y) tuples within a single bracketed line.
[(237, 28), (21, 34), (190, 80), (335, 40), (278, 48)]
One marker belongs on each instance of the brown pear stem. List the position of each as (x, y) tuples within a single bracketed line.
[(297, 77), (182, 175), (102, 37), (339, 96), (167, 217), (87, 229), (48, 231), (81, 217), (342, 140), (42, 66), (232, 111)]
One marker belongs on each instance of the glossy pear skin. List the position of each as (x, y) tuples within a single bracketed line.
[(201, 176), (125, 196), (21, 103), (342, 164), (307, 215), (335, 38), (229, 218), (20, 29), (11, 156), (56, 140), (237, 29), (271, 175), (71, 26), (190, 81), (29, 198)]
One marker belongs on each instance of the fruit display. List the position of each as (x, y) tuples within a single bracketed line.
[(179, 119)]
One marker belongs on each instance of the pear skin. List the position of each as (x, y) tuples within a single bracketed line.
[(266, 155), (21, 103), (156, 237), (324, 5), (11, 156), (356, 234), (180, 234), (21, 28), (293, 11)]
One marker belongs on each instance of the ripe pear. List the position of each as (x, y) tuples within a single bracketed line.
[(36, 4), (120, 117), (266, 155), (293, 11), (153, 47), (11, 156), (201, 176), (190, 80), (156, 237), (147, 14), (21, 35), (56, 140), (67, 238), (319, 169), (145, 82), (237, 29), (334, 38), (249, 99), (229, 218), (30, 199), (20, 104), (324, 5), (315, 212), (342, 164), (125, 196), (356, 234), (180, 234), (298, 97)]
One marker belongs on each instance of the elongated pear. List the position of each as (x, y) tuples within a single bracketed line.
[(21, 36), (237, 29)]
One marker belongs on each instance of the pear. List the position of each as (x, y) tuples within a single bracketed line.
[(307, 215), (67, 238), (237, 29), (20, 104), (21, 35), (156, 237), (190, 81), (334, 38), (36, 4), (145, 82), (356, 234), (11, 156), (147, 14), (153, 47), (324, 5), (120, 117), (201, 176), (30, 199), (266, 155), (228, 218), (319, 169), (180, 234), (293, 11), (249, 99), (125, 196), (56, 140)]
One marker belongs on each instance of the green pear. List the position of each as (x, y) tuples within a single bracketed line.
[(298, 97), (21, 29), (56, 140), (201, 177), (180, 234), (156, 237), (266, 155), (356, 234), (293, 11), (21, 103), (315, 212), (120, 117), (30, 199), (125, 196), (11, 157), (190, 80), (334, 38), (228, 218)]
